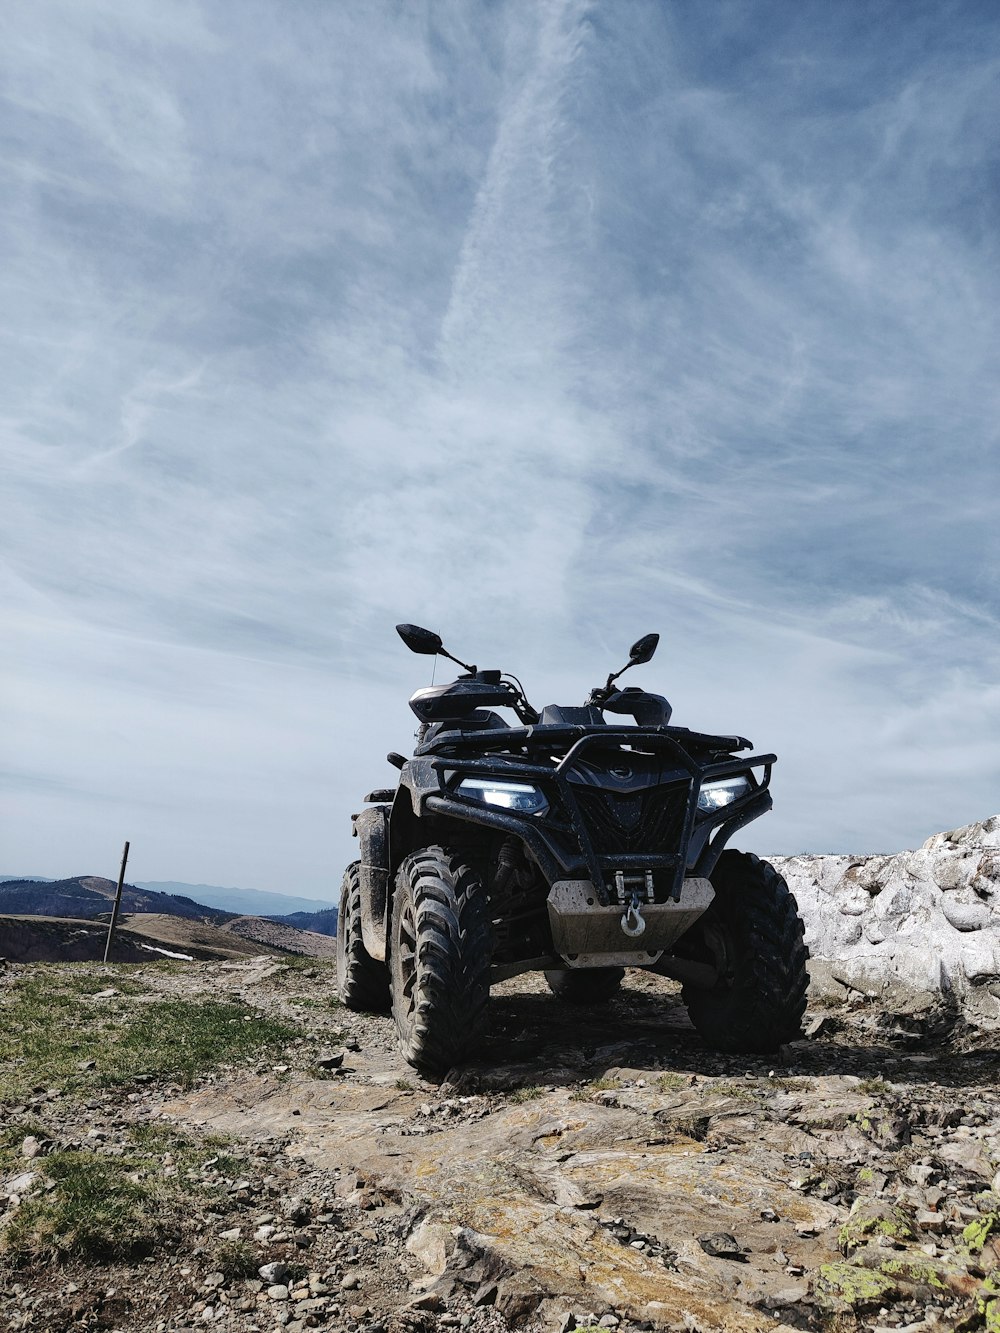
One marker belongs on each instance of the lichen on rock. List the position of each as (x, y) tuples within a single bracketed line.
[(871, 1218), (842, 1286), (978, 1232)]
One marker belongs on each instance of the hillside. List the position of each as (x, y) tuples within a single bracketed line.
[(138, 939), (242, 935), (277, 934), (143, 936), (90, 896), (324, 922)]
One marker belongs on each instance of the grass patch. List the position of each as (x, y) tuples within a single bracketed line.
[(171, 966), (51, 1024), (742, 1092), (93, 1210), (528, 1094), (874, 1087), (100, 1207), (92, 983), (691, 1126), (236, 1260), (181, 1039), (322, 1006), (603, 1084), (12, 1136), (196, 1156), (671, 1082), (300, 962)]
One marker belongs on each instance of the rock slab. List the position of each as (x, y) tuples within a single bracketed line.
[(912, 929)]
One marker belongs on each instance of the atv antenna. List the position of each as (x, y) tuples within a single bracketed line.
[(426, 641)]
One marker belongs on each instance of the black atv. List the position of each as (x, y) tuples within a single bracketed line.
[(571, 844)]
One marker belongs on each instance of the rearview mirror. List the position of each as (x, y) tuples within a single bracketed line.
[(643, 649), (420, 640)]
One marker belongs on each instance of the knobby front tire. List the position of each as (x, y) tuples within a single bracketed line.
[(440, 959), (758, 1004)]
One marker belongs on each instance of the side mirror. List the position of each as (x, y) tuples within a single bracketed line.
[(420, 640), (643, 649)]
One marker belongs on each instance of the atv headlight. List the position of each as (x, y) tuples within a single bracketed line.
[(716, 795), (521, 797)]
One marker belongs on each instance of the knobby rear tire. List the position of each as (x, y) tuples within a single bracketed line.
[(756, 919), (440, 958), (586, 985), (362, 981)]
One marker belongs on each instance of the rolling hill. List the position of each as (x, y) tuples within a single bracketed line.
[(64, 920), (89, 896), (85, 897)]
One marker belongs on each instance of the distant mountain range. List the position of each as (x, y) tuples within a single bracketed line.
[(91, 896), (255, 901), (323, 922)]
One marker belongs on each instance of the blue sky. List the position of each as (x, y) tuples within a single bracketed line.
[(543, 324)]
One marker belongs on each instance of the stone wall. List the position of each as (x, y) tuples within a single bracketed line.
[(910, 929)]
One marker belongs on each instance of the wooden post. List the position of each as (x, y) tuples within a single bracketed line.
[(118, 902)]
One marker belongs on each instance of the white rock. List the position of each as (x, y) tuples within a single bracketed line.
[(964, 911), (911, 927), (20, 1185), (430, 1243)]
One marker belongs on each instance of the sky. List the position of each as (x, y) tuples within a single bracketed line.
[(542, 324)]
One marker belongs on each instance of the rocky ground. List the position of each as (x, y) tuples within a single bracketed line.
[(594, 1165)]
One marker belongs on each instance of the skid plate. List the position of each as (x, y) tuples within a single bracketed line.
[(581, 927)]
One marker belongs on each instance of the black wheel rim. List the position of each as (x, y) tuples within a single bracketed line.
[(406, 957), (723, 949)]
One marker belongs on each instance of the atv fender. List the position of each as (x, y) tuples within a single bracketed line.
[(372, 829)]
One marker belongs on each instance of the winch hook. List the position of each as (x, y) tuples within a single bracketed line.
[(633, 923)]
